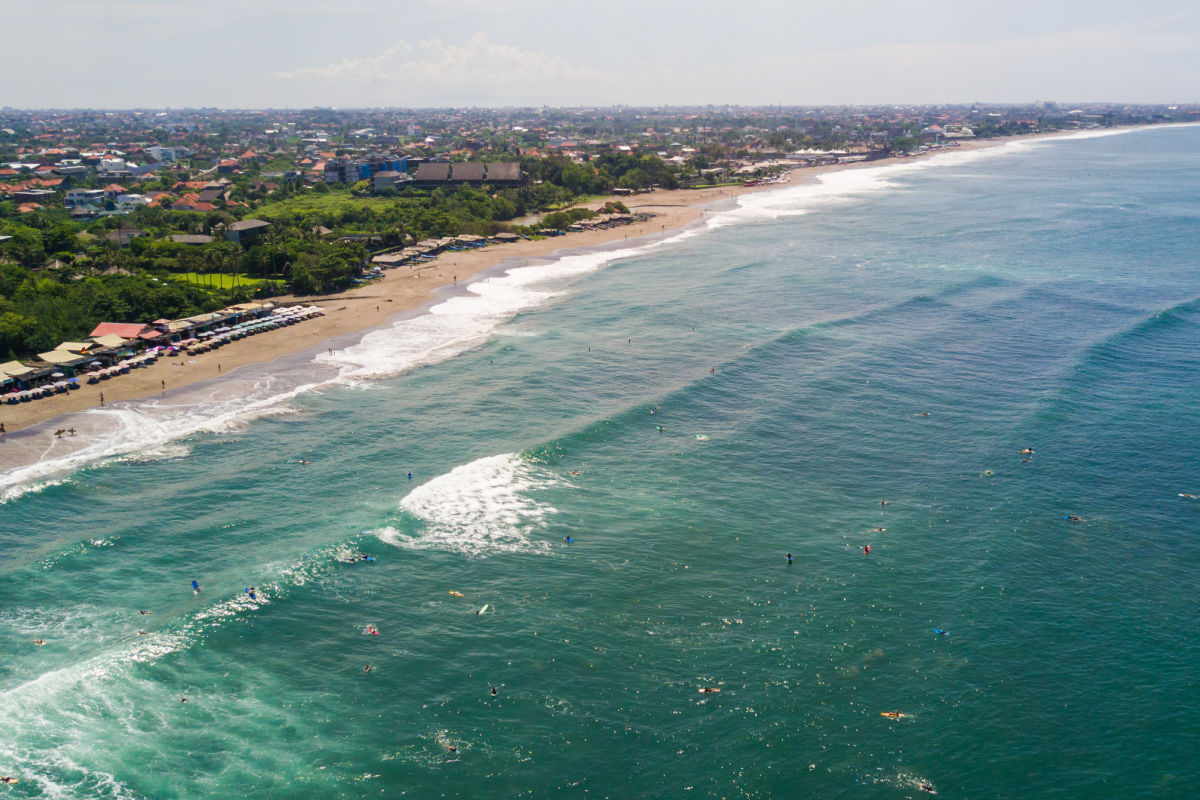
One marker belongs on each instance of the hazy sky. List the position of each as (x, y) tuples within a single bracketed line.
[(299, 53)]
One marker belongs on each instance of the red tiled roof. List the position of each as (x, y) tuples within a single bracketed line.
[(126, 330)]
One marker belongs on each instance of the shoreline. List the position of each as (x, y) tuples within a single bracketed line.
[(405, 291)]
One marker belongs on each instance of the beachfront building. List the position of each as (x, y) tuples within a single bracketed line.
[(433, 174)]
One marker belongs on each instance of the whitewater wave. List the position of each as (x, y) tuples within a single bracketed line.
[(485, 507)]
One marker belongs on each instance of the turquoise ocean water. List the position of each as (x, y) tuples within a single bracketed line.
[(893, 333)]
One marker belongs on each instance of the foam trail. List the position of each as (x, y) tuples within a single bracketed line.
[(478, 509)]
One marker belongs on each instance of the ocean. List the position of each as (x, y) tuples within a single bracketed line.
[(614, 452)]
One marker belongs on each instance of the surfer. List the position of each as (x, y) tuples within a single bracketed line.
[(789, 558), (1028, 451), (923, 414), (143, 612), (494, 692), (71, 431), (250, 591), (195, 588), (7, 779), (573, 472), (371, 629), (878, 530), (410, 476), (659, 428), (866, 550), (709, 689), (925, 787), (365, 557), (367, 668), (142, 633), (451, 748), (892, 714), (941, 631), (568, 540), (883, 502), (182, 699), (39, 642), (58, 433), (1073, 518)]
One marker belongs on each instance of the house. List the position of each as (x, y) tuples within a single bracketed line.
[(81, 197), (190, 238), (247, 232)]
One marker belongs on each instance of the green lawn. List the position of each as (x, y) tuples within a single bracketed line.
[(214, 280), (321, 202)]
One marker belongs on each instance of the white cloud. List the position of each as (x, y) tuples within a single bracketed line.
[(479, 64)]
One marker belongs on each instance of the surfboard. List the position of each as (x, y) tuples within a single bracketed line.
[(456, 594), (482, 610), (892, 714)]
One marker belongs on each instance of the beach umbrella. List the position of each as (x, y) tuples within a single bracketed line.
[(58, 375)]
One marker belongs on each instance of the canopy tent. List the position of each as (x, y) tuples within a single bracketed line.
[(109, 341), (15, 369), (62, 357)]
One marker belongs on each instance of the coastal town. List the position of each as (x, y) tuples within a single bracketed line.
[(126, 236)]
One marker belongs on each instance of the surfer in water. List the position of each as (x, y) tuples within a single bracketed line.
[(866, 550), (7, 779), (568, 540), (195, 588), (250, 591), (1073, 518), (789, 558)]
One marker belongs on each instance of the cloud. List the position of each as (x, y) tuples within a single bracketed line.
[(433, 66)]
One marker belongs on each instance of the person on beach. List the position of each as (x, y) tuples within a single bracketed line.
[(2, 431), (102, 398)]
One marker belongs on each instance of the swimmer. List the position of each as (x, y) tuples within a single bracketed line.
[(866, 550), (39, 642), (789, 558), (367, 668), (494, 692), (709, 689), (878, 530)]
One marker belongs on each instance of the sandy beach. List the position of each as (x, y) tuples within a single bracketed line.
[(403, 289)]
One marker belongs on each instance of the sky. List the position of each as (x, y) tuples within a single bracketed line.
[(437, 53)]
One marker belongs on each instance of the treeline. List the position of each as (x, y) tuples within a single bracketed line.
[(40, 310)]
